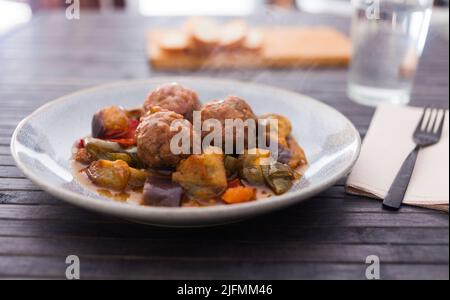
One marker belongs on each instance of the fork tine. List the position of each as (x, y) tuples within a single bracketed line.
[(422, 118), (435, 120), (441, 125), (431, 115)]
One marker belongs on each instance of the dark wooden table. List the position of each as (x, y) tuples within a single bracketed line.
[(329, 236)]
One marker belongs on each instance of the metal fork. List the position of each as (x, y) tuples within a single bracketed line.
[(425, 135)]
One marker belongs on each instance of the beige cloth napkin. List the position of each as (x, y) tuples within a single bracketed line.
[(387, 144)]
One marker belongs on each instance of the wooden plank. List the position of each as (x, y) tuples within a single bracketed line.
[(5, 140), (301, 218), (4, 150), (332, 200), (6, 132), (244, 231), (6, 160), (12, 172), (97, 268), (229, 250), (17, 184), (28, 197)]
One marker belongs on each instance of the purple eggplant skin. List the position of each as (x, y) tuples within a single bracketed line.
[(109, 122), (159, 191), (284, 154), (97, 127)]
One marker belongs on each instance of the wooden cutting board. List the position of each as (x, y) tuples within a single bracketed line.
[(282, 47)]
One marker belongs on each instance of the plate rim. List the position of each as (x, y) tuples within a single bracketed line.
[(185, 213)]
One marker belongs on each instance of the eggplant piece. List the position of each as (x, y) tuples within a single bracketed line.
[(289, 152), (109, 174), (279, 177), (298, 158), (284, 154), (110, 122), (232, 166), (202, 176), (137, 178), (252, 161), (159, 191)]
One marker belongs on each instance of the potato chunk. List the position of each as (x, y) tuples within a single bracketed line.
[(109, 174), (202, 176)]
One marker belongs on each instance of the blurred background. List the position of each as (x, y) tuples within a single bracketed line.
[(16, 12)]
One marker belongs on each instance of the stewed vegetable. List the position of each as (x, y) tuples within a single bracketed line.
[(202, 176), (116, 124), (137, 178), (109, 174), (100, 149), (239, 194), (259, 168), (116, 175), (160, 191), (110, 122), (232, 166), (289, 152), (279, 177), (252, 162)]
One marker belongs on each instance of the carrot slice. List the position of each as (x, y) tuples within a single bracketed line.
[(239, 194)]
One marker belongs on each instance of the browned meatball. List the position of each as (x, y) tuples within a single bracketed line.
[(174, 97), (231, 108), (153, 137)]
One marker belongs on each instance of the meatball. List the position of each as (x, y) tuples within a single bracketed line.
[(174, 97), (231, 108), (154, 135)]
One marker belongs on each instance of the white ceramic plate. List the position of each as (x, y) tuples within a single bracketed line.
[(42, 142)]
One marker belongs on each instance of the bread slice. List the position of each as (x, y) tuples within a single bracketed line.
[(174, 42), (254, 40), (204, 32), (233, 34)]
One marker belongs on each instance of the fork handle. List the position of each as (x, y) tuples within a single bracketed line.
[(394, 197)]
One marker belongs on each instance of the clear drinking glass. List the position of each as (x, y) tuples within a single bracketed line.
[(388, 38)]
